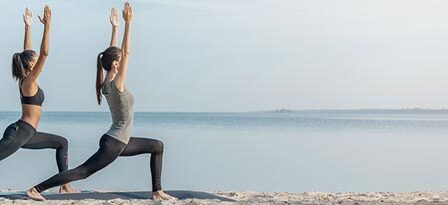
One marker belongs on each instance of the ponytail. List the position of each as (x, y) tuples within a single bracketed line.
[(18, 70), (99, 78), (21, 64), (104, 61)]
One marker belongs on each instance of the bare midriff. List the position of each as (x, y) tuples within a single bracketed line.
[(31, 114)]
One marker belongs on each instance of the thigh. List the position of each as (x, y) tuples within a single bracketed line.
[(10, 142), (14, 137), (98, 161), (42, 140), (12, 134), (139, 145), (108, 151)]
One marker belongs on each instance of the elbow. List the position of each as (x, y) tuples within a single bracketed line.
[(126, 52), (44, 52)]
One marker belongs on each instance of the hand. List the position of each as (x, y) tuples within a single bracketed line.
[(27, 17), (127, 13), (47, 16), (114, 17)]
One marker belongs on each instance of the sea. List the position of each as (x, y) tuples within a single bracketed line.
[(278, 151)]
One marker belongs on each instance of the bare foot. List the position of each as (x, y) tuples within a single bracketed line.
[(34, 195), (67, 188), (160, 195)]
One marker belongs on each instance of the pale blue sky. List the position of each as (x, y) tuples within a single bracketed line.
[(243, 55)]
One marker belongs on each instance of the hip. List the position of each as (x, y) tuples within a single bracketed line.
[(19, 130)]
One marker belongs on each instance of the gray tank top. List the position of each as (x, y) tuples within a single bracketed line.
[(121, 108)]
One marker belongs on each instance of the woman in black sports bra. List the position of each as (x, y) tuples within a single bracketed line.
[(26, 67)]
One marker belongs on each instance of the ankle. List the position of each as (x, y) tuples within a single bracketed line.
[(34, 190)]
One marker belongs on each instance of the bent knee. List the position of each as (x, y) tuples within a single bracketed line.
[(159, 146), (62, 143)]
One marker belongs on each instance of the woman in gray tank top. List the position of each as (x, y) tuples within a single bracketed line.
[(117, 141)]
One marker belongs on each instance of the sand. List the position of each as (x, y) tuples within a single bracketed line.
[(374, 198)]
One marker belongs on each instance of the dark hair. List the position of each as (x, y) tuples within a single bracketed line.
[(104, 61), (21, 63)]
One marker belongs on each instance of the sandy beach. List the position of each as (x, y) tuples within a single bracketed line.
[(373, 198)]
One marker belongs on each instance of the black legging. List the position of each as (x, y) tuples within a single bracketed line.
[(109, 150), (22, 135)]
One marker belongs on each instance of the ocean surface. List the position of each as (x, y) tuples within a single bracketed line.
[(254, 151)]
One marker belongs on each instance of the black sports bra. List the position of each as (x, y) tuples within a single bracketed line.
[(37, 99)]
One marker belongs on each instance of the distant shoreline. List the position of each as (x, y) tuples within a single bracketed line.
[(363, 111)]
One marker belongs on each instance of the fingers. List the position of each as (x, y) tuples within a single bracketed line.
[(113, 13), (126, 8), (45, 18), (113, 17), (127, 12), (47, 10), (28, 12), (40, 19), (27, 15), (47, 15)]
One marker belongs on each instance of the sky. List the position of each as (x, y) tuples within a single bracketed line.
[(242, 55)]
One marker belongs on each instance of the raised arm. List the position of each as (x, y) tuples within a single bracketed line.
[(46, 20), (27, 20), (125, 47), (114, 23)]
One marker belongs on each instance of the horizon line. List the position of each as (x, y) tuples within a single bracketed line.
[(255, 111)]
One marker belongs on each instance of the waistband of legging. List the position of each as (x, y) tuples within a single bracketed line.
[(25, 124)]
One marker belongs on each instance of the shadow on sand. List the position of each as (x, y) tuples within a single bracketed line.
[(180, 194)]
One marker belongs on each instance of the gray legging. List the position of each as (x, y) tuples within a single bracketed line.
[(22, 135), (109, 150)]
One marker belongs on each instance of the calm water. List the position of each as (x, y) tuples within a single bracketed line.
[(295, 152)]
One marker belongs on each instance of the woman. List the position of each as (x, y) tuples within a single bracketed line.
[(117, 141), (26, 67)]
